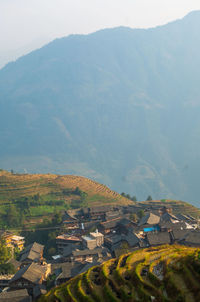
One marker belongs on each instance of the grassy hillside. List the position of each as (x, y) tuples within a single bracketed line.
[(22, 185), (168, 273), (37, 196)]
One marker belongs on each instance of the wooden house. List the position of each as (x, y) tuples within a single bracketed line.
[(29, 276), (109, 226), (15, 296), (64, 240), (33, 253)]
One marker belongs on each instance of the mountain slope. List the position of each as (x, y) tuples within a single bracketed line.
[(167, 273), (13, 186), (120, 106), (39, 196)]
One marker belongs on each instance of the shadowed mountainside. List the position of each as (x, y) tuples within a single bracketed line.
[(120, 106)]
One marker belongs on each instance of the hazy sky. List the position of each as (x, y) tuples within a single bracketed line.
[(29, 24)]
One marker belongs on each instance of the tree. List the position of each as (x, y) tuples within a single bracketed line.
[(5, 252), (77, 191), (57, 219), (134, 198), (140, 214), (13, 216), (133, 217), (149, 198)]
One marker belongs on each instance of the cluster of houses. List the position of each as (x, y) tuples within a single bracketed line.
[(90, 237), (12, 241)]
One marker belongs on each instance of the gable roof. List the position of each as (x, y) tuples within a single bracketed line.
[(168, 217), (67, 270), (111, 223), (36, 247), (100, 209), (32, 252), (149, 218), (32, 273), (192, 237), (158, 238), (20, 295), (87, 252), (178, 234), (131, 238)]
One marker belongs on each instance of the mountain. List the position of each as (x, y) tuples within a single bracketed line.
[(166, 273), (120, 105)]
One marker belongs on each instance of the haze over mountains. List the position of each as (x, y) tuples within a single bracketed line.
[(121, 106)]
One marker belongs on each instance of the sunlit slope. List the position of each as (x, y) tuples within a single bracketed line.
[(167, 273), (16, 186)]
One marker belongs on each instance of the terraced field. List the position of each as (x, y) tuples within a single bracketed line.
[(167, 273), (177, 206), (14, 186), (39, 196)]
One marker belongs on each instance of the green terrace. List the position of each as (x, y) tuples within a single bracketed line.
[(167, 273)]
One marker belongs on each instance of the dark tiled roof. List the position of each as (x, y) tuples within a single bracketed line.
[(100, 209), (168, 217), (39, 290), (170, 225), (67, 270), (20, 295), (32, 252), (178, 234), (125, 222), (67, 251), (87, 252), (36, 247), (110, 224), (149, 218), (32, 273), (116, 240), (113, 239), (186, 218), (158, 238), (192, 237), (131, 238)]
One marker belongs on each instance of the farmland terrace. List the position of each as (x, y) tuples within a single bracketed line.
[(167, 273)]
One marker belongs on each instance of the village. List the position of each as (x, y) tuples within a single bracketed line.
[(89, 237)]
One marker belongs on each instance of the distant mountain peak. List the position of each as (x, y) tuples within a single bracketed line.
[(129, 101)]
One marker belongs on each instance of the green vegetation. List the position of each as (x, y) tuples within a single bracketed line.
[(25, 199), (5, 255), (167, 273), (133, 198)]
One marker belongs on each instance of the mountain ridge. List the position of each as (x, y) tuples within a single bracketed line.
[(122, 109)]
